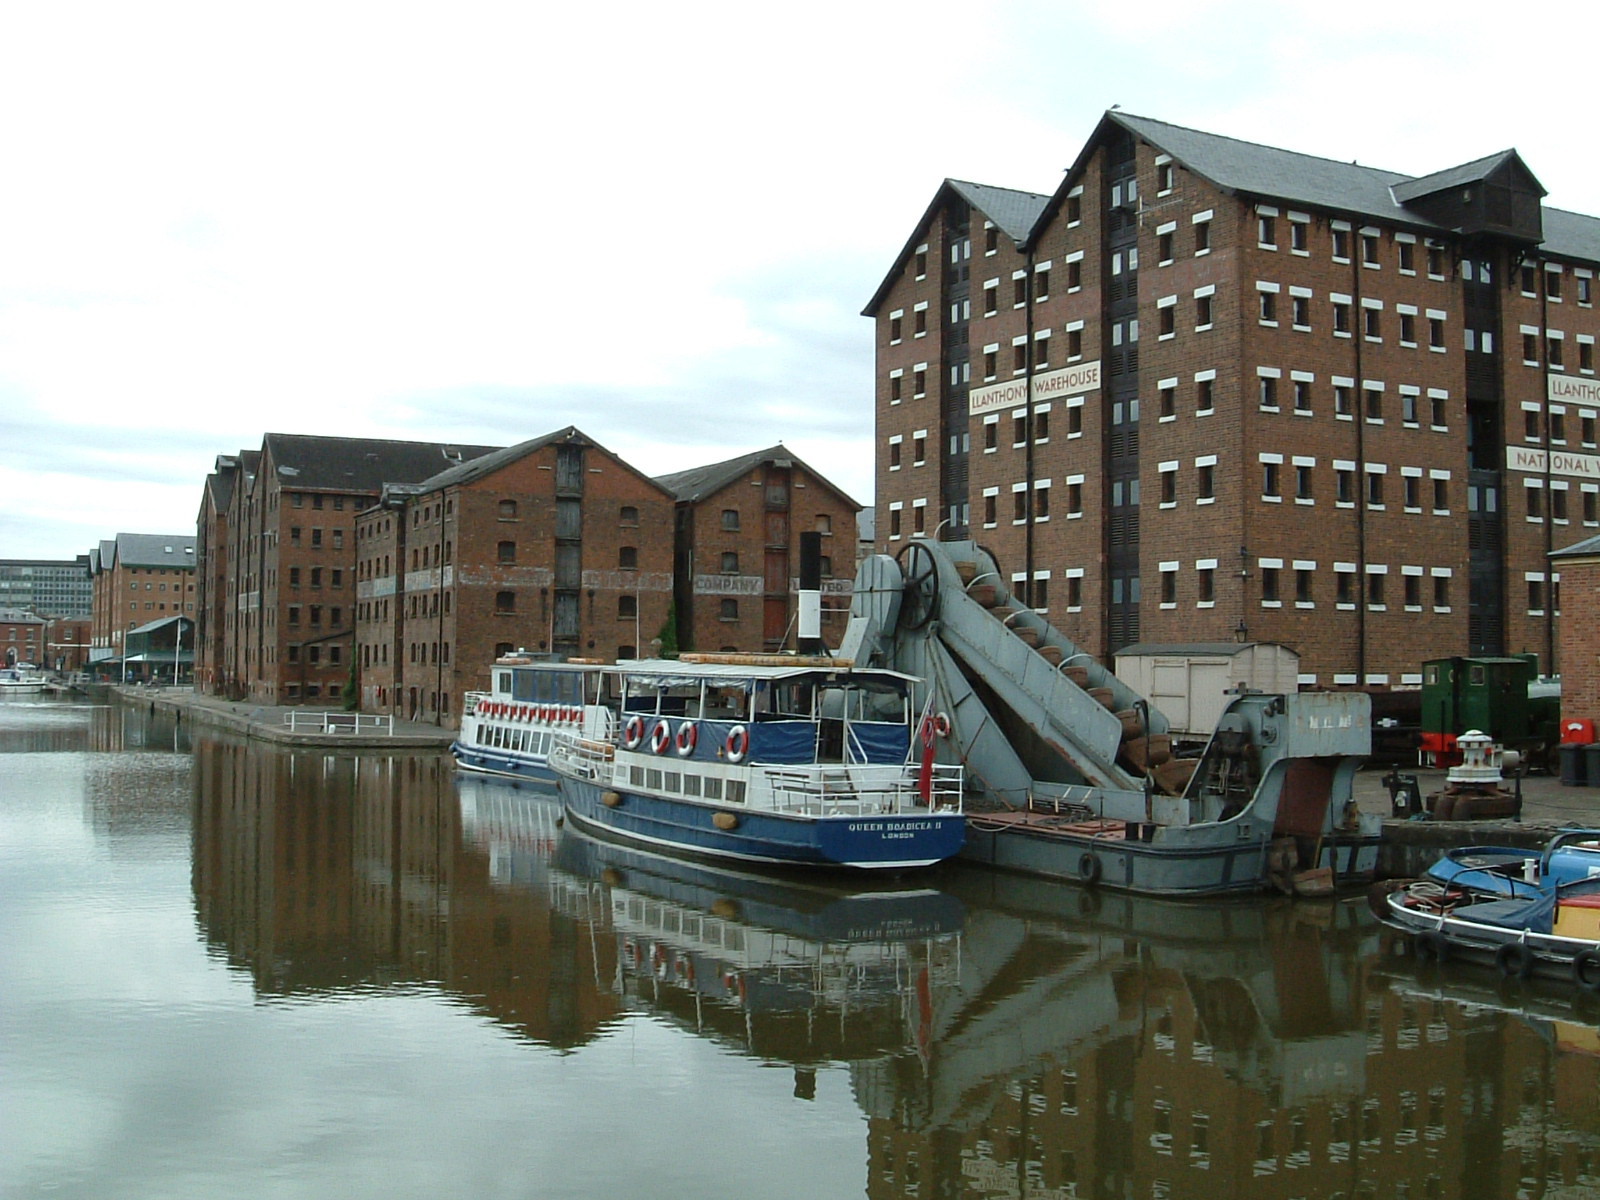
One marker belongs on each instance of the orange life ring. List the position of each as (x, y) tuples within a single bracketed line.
[(685, 740), (738, 744), (633, 732), (660, 737)]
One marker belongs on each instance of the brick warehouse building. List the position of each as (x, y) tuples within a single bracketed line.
[(138, 578), (1579, 651), (737, 550), (554, 545), (1211, 390), (283, 551)]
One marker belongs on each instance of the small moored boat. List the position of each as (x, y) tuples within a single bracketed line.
[(787, 761), (18, 682), (1529, 912), (509, 729)]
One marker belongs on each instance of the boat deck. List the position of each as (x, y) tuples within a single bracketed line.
[(1047, 824)]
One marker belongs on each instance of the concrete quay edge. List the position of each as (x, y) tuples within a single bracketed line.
[(264, 722)]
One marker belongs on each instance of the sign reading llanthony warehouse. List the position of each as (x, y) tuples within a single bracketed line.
[(1068, 381)]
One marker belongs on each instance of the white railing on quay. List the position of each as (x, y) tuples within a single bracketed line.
[(338, 722)]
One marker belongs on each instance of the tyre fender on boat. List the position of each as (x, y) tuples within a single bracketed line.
[(1586, 970), (1089, 868), (1514, 960)]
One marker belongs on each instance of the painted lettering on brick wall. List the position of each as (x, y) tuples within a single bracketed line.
[(1068, 381), (1531, 459)]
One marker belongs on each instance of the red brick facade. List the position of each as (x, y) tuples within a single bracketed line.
[(1251, 417), (552, 546), (22, 639), (287, 544), (1579, 567), (738, 551)]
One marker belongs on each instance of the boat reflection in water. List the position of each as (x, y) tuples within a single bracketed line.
[(802, 971)]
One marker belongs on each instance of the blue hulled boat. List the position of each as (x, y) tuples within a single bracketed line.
[(781, 760)]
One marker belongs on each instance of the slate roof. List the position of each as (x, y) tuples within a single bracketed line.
[(698, 483), (151, 550), (1014, 212), (1587, 548), (1267, 171), (312, 463), (1264, 172)]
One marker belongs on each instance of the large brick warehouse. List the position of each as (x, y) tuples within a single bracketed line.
[(1209, 390)]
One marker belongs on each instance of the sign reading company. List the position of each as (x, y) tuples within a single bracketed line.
[(1068, 381), (1576, 391), (1531, 459)]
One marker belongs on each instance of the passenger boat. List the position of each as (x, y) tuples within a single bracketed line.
[(509, 729), (773, 759), (1527, 911)]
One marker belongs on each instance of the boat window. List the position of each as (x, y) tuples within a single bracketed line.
[(791, 699), (725, 704), (713, 788), (502, 682)]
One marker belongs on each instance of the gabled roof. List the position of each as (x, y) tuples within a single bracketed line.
[(313, 463), (699, 483), (1014, 212), (487, 464), (1487, 167)]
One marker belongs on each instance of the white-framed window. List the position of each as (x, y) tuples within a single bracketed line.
[(1205, 384), (1267, 303), (1441, 577), (1266, 227), (1167, 472), (1271, 465), (1169, 584), (1166, 318), (1299, 233)]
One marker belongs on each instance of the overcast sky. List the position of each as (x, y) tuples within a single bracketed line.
[(483, 222)]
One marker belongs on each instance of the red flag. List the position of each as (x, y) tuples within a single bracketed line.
[(925, 774)]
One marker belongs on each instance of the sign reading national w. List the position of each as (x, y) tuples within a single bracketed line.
[(1068, 381)]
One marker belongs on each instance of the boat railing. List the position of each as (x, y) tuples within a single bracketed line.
[(582, 758), (861, 790), (470, 702)]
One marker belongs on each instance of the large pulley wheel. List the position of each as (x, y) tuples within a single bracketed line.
[(919, 598)]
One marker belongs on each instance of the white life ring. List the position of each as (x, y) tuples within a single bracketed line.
[(738, 744), (660, 737), (685, 740), (633, 732)]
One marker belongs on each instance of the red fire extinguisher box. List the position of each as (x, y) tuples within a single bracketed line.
[(1577, 729)]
